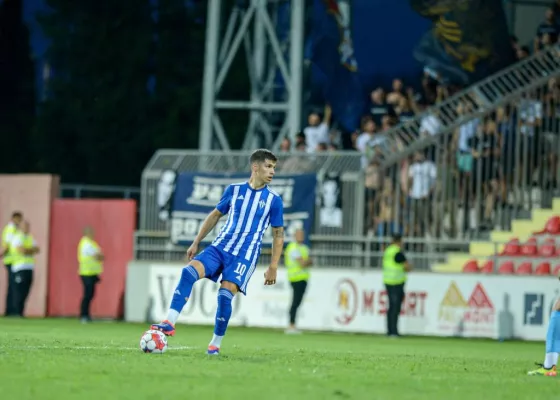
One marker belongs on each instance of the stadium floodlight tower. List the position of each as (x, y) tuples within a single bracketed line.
[(252, 27)]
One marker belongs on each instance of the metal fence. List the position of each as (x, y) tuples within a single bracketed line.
[(352, 245), (76, 191), (326, 250), (491, 169)]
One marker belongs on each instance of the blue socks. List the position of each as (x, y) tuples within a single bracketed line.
[(552, 340), (553, 333), (223, 314), (183, 290)]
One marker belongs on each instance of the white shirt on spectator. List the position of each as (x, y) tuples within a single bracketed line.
[(529, 112), (17, 241), (430, 124), (315, 135), (423, 176), (367, 141), (467, 131)]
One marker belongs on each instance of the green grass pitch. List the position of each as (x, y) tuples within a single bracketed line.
[(62, 359)]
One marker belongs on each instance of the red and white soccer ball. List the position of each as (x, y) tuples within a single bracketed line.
[(153, 341)]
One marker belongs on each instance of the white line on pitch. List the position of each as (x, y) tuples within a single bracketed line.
[(69, 347)]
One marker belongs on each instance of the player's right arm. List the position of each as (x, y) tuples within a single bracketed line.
[(211, 220), (208, 224)]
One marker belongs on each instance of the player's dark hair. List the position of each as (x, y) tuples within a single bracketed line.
[(261, 155), (17, 214)]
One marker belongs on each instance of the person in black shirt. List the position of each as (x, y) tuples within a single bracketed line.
[(547, 28), (486, 151)]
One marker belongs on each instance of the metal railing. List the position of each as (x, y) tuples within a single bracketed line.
[(493, 168), (488, 94), (326, 250), (79, 191)]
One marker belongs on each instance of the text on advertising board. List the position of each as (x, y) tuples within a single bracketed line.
[(475, 314), (351, 301), (197, 194)]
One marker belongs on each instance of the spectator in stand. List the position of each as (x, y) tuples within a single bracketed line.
[(379, 107), (397, 94), (462, 147), (373, 181), (551, 132), (384, 217), (317, 131), (530, 121), (547, 28), (506, 126), (486, 149), (286, 145), (523, 52), (322, 147), (300, 138), (368, 140), (368, 130), (404, 110), (422, 176)]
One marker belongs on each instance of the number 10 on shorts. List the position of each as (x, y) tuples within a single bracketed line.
[(240, 269)]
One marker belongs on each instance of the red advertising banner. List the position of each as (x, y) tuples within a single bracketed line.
[(113, 222), (32, 195)]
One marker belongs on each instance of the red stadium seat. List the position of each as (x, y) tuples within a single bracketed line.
[(511, 248), (526, 268), (548, 248), (556, 270), (470, 267), (551, 227), (506, 268), (543, 269), (487, 267), (529, 248)]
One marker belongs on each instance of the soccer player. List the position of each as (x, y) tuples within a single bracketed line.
[(548, 368), (252, 207)]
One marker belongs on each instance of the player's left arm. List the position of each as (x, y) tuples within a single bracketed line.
[(277, 223), (277, 245)]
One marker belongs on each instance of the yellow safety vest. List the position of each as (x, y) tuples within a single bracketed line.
[(296, 272), (89, 265), (393, 272), (7, 236), (18, 257)]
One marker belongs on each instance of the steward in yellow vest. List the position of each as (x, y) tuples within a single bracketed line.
[(23, 251), (297, 261), (7, 235), (90, 260), (395, 268)]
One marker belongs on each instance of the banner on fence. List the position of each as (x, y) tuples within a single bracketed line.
[(196, 195), (356, 301)]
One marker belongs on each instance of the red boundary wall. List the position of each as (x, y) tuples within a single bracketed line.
[(114, 223)]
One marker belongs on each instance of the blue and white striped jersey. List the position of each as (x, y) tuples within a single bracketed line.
[(250, 213)]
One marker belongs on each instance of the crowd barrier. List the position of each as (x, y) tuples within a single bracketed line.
[(356, 301)]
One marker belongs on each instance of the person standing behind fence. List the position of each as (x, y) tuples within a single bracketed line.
[(395, 268), (7, 237), (297, 261), (90, 259), (24, 248)]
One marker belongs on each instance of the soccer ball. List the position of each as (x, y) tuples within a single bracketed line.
[(153, 341)]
